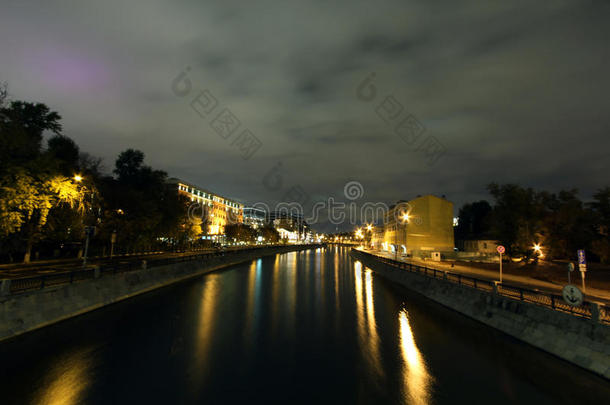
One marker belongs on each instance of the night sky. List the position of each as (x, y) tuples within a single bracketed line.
[(513, 91)]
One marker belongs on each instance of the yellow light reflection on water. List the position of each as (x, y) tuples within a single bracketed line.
[(365, 313), (205, 327), (371, 323), (68, 380), (417, 380)]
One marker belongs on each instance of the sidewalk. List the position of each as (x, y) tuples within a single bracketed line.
[(591, 294)]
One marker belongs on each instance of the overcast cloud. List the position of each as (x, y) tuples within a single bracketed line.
[(515, 91)]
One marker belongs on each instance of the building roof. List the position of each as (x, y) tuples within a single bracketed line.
[(175, 180)]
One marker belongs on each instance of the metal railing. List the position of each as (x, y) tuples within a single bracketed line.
[(20, 285), (549, 300)]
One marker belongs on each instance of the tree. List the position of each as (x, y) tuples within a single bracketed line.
[(474, 221), (270, 234), (21, 128), (600, 209), (566, 224), (29, 183), (515, 218), (65, 153), (141, 207), (239, 233), (129, 166)]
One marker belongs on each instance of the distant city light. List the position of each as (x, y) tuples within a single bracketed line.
[(78, 178)]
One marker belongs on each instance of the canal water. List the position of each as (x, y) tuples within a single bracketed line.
[(304, 327)]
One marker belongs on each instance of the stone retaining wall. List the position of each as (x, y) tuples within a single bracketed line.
[(31, 310), (577, 340)]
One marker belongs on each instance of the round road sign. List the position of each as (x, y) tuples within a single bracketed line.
[(572, 295), (501, 249)]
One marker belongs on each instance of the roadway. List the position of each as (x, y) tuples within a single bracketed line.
[(43, 267), (592, 294)]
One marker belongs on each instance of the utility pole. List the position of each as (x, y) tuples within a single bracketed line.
[(501, 250), (89, 231), (112, 242)]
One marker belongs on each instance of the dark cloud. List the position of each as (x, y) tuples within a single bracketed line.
[(515, 91)]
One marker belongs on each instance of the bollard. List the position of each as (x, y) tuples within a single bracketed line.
[(96, 272), (495, 287), (5, 287), (143, 264), (444, 275)]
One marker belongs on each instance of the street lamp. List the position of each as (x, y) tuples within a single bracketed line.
[(78, 178), (404, 218)]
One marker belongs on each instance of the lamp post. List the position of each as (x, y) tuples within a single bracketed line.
[(112, 242), (405, 219)]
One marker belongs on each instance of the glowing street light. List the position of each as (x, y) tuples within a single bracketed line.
[(369, 227), (404, 218), (78, 178), (538, 249), (359, 233)]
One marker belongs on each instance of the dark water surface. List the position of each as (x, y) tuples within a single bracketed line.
[(304, 327)]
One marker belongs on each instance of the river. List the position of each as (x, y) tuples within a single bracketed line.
[(304, 327)]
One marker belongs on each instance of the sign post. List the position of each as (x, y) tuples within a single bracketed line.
[(501, 250), (570, 269), (90, 232), (582, 266), (112, 242)]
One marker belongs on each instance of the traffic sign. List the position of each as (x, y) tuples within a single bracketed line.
[(581, 257), (501, 249), (572, 295)]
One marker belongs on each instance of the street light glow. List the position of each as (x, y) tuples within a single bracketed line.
[(78, 178), (405, 217)]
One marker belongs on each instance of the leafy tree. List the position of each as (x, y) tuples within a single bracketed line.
[(515, 218), (270, 234), (22, 125), (600, 208), (240, 233), (64, 152), (30, 185), (474, 221), (140, 206), (566, 223)]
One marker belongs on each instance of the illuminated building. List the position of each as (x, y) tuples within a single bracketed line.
[(291, 224), (417, 227), (216, 210), (254, 217)]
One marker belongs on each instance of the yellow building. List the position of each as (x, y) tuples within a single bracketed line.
[(417, 227), (217, 211)]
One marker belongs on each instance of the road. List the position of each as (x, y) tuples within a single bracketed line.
[(20, 270), (592, 294)]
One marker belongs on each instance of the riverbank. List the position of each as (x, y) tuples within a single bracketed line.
[(580, 341), (31, 310)]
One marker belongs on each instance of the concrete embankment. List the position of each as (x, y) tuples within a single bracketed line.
[(580, 341), (21, 313)]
